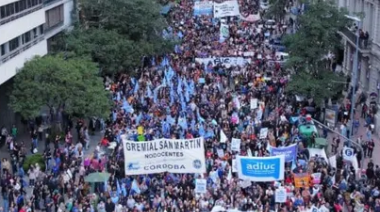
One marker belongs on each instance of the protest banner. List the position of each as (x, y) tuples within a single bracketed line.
[(301, 180), (261, 169), (290, 152), (203, 7), (225, 61), (226, 9), (280, 195), (164, 155), (200, 186), (235, 144), (220, 153)]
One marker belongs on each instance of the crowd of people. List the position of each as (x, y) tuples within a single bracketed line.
[(180, 96)]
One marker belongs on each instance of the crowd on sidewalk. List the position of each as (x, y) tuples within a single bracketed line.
[(185, 95)]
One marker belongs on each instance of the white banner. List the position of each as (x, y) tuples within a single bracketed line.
[(164, 155), (226, 9), (203, 7), (226, 61), (200, 186), (280, 195), (235, 144)]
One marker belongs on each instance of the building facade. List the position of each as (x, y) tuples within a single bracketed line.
[(368, 78), (27, 29)]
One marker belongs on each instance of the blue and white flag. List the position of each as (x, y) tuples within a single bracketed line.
[(135, 187), (149, 92)]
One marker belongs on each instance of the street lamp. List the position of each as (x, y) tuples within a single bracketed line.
[(355, 70)]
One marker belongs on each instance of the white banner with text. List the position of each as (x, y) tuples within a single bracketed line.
[(164, 155)]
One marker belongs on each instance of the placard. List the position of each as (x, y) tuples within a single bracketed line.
[(200, 186), (235, 144), (280, 195), (226, 61), (263, 133), (254, 103), (203, 7)]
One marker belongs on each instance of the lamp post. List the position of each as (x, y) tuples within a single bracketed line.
[(355, 70)]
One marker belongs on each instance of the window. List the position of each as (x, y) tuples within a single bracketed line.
[(35, 33), (26, 38), (22, 5), (2, 12), (17, 7), (10, 9), (2, 50), (54, 16), (14, 44), (41, 29)]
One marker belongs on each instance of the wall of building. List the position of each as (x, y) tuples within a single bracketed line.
[(21, 25)]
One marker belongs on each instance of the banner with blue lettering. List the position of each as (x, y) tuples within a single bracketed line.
[(261, 169), (164, 155), (290, 152), (203, 7)]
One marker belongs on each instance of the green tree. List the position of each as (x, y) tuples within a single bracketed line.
[(314, 40), (317, 35), (118, 34), (51, 81), (276, 9)]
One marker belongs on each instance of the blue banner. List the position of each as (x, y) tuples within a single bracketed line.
[(290, 152), (203, 8), (261, 169)]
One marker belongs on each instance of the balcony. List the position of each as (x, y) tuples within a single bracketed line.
[(50, 2), (364, 45), (20, 14), (19, 50)]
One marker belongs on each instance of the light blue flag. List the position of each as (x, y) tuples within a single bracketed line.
[(124, 191), (182, 122), (118, 187), (138, 118), (127, 107), (137, 87), (135, 187), (183, 103), (201, 130), (209, 133), (170, 119), (155, 92), (114, 116), (172, 94), (187, 95), (179, 86), (192, 125), (149, 92), (199, 117)]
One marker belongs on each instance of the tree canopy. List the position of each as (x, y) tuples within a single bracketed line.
[(118, 34), (53, 82), (315, 38)]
